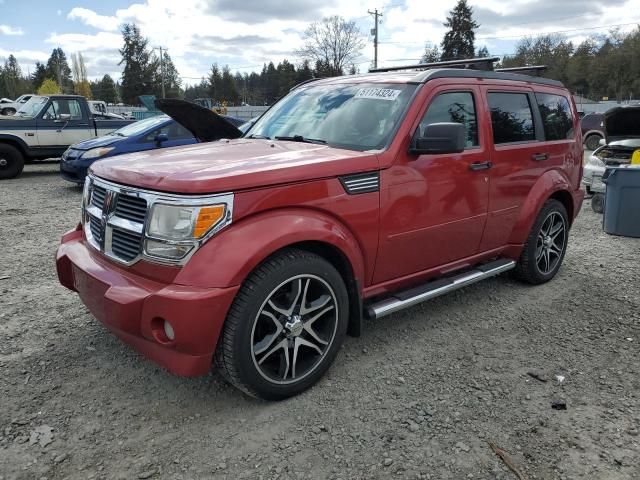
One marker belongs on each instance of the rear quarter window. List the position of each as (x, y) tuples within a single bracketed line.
[(511, 117), (557, 118)]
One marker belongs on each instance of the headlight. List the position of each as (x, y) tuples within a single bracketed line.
[(173, 230), (97, 152), (595, 162)]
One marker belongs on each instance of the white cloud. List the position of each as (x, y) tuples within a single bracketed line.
[(9, 30), (91, 18)]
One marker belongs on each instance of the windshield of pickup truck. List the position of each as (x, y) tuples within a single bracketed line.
[(141, 126), (32, 108), (352, 116)]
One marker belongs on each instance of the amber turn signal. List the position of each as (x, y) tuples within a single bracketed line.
[(207, 218)]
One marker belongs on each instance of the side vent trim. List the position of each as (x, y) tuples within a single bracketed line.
[(361, 183)]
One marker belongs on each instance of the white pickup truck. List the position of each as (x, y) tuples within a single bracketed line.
[(45, 126)]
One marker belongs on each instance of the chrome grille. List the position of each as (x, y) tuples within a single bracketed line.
[(95, 226), (97, 196), (125, 245), (131, 208)]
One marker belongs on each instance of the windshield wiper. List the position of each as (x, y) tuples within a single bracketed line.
[(264, 137), (300, 138)]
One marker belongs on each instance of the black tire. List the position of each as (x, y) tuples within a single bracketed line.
[(597, 203), (238, 354), (531, 265), (8, 111), (11, 161), (592, 141)]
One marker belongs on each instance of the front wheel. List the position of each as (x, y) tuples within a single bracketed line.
[(546, 245), (11, 161), (285, 326), (592, 142)]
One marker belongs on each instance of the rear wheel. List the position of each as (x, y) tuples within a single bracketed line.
[(285, 326), (592, 142), (11, 161), (8, 111), (546, 245)]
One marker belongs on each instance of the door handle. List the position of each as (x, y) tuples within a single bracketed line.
[(480, 166), (539, 157)]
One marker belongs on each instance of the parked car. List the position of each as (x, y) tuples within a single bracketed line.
[(352, 196), (621, 127), (44, 127), (592, 130), (99, 110), (152, 133), (11, 107)]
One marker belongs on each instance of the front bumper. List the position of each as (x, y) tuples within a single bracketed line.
[(134, 307), (592, 177), (72, 172)]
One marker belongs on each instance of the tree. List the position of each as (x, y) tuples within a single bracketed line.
[(431, 54), (12, 75), (483, 52), (333, 42), (48, 87), (215, 82), (108, 90), (228, 92), (458, 42), (139, 70), (80, 82), (58, 69), (167, 70), (38, 75)]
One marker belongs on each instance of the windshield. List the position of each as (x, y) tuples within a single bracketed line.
[(140, 127), (32, 107), (352, 116)]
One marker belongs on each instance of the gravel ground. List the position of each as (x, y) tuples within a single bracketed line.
[(420, 395)]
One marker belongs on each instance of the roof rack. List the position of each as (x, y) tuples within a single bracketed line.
[(485, 64), (304, 82), (532, 70)]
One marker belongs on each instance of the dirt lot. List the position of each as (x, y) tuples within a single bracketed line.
[(420, 395)]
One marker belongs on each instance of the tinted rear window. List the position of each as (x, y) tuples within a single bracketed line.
[(511, 117), (557, 118)]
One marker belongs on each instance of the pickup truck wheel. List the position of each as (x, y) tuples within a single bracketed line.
[(285, 326), (11, 162), (546, 245)]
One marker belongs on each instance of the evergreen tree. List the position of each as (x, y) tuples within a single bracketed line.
[(139, 70), (215, 82), (431, 54), (58, 69), (458, 42), (483, 52), (38, 75), (108, 90), (12, 76), (304, 72), (228, 91)]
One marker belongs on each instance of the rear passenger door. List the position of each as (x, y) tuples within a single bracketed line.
[(518, 154)]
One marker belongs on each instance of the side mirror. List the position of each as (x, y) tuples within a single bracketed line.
[(439, 138), (161, 137), (63, 118)]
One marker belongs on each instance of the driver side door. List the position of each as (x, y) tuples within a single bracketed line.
[(56, 133), (434, 206)]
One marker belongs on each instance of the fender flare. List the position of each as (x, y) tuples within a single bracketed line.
[(19, 143), (228, 258), (548, 185)]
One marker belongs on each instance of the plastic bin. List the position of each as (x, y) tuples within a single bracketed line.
[(622, 201)]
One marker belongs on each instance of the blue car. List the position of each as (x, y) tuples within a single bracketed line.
[(155, 132)]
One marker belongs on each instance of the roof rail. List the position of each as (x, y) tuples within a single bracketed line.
[(304, 82), (532, 70), (485, 63)]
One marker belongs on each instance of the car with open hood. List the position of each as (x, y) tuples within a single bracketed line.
[(622, 138), (351, 197), (183, 124)]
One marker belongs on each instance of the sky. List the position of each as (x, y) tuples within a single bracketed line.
[(244, 34)]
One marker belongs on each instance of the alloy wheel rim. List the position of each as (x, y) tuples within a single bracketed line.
[(551, 242), (3, 162), (294, 329)]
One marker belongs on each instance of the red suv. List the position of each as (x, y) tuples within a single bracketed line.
[(351, 197)]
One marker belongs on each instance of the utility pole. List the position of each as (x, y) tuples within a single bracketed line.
[(374, 32)]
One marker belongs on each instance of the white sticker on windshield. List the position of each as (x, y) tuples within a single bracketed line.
[(378, 93)]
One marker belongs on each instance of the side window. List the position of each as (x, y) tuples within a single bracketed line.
[(511, 117), (456, 107), (63, 107), (557, 118), (174, 131)]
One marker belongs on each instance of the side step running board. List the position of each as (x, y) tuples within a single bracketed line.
[(409, 298)]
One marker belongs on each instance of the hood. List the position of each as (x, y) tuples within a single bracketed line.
[(629, 143), (621, 123), (232, 165), (104, 141), (204, 124)]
